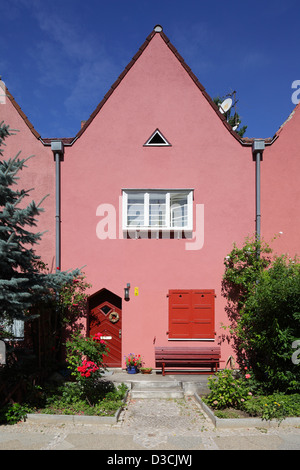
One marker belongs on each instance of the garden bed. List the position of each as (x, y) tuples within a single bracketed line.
[(67, 403), (241, 419), (106, 416), (65, 407)]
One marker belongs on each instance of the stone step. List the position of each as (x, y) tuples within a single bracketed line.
[(157, 389), (157, 392), (159, 384)]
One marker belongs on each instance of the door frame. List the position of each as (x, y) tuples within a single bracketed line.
[(95, 300)]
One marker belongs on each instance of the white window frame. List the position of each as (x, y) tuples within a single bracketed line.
[(165, 143), (167, 227)]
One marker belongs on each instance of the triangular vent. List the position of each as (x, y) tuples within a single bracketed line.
[(157, 140)]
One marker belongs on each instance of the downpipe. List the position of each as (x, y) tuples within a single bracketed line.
[(58, 150), (257, 152)]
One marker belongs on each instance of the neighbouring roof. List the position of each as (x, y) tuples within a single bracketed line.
[(19, 110), (157, 30)]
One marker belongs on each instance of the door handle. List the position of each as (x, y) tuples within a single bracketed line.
[(120, 333)]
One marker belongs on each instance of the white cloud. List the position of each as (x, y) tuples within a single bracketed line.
[(254, 59), (194, 45), (91, 84), (72, 59)]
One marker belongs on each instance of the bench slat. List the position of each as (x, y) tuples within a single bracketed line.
[(169, 356)]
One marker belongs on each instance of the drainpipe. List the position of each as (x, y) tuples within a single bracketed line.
[(258, 147), (58, 151)]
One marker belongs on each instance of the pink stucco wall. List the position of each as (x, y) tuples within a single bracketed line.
[(281, 188), (156, 93), (39, 175)]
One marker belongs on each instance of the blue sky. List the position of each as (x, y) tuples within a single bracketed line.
[(59, 58)]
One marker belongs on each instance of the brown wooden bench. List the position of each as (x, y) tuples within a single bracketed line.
[(188, 357)]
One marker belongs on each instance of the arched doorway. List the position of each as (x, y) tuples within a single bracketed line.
[(105, 317)]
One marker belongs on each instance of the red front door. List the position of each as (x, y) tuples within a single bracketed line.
[(105, 317)]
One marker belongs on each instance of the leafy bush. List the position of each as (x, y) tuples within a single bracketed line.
[(226, 390), (85, 359), (12, 413), (271, 323), (276, 406), (80, 349), (263, 306), (71, 399), (243, 267)]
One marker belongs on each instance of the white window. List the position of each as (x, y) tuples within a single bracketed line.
[(155, 209)]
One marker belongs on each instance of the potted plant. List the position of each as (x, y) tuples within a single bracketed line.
[(146, 370), (133, 363)]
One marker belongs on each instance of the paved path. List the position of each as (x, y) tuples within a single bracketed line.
[(149, 424)]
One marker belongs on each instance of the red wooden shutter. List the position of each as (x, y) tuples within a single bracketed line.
[(191, 314), (179, 313)]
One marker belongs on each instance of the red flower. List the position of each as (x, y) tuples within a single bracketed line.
[(87, 368), (98, 337)]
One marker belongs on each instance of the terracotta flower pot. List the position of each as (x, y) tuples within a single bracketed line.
[(146, 370)]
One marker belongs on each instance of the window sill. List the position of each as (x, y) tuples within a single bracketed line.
[(191, 339), (176, 234)]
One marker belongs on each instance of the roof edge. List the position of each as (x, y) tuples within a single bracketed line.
[(159, 30), (69, 141), (201, 87), (20, 112), (116, 83)]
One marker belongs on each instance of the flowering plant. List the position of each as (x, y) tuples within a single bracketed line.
[(98, 337), (87, 368), (91, 349), (133, 360), (227, 390)]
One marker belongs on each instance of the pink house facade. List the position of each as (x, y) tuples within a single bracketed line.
[(150, 195)]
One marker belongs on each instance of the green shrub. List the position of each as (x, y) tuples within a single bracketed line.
[(263, 306), (227, 391), (12, 413), (80, 347), (271, 323), (275, 406), (71, 399), (230, 390)]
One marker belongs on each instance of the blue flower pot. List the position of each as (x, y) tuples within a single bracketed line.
[(131, 370)]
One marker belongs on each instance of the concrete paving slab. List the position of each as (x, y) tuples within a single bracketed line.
[(289, 442), (249, 442), (23, 441), (75, 441)]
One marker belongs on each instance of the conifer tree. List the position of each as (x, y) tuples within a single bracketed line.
[(22, 282), (235, 119)]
